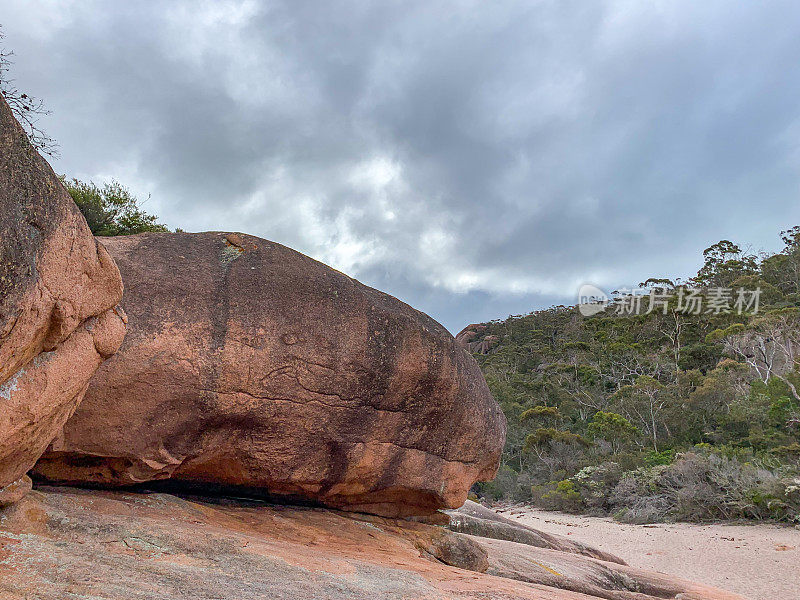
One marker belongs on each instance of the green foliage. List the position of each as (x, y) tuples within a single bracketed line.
[(613, 428), (546, 436), (725, 263), (720, 334), (503, 485), (654, 458), (601, 409), (704, 487), (111, 210), (789, 452), (562, 496), (541, 413)]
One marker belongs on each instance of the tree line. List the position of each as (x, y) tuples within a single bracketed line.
[(661, 414)]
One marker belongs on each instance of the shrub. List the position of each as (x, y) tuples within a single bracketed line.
[(559, 495), (701, 487), (595, 484), (637, 497), (501, 486), (112, 209), (654, 458), (790, 452), (507, 485)]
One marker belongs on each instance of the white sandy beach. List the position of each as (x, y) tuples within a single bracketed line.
[(761, 562)]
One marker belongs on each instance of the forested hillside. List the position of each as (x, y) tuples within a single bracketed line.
[(677, 401)]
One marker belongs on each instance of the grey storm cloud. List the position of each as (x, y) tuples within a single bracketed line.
[(474, 159)]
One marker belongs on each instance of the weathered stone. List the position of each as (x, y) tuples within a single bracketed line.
[(248, 364), (466, 335), (58, 287), (477, 520), (65, 543), (15, 492), (582, 575)]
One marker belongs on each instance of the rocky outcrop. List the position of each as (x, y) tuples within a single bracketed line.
[(248, 364), (586, 576), (65, 543), (477, 520), (58, 287), (466, 335), (466, 339)]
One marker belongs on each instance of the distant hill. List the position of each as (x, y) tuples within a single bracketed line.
[(677, 400)]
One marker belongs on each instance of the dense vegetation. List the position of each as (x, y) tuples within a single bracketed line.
[(111, 209), (671, 414), (648, 415)]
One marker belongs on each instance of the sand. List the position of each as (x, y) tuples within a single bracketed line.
[(760, 562)]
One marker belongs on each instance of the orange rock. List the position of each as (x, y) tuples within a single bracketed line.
[(62, 543), (248, 364), (465, 336), (57, 286), (15, 492)]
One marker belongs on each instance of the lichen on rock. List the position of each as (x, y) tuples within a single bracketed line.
[(58, 287), (276, 375)]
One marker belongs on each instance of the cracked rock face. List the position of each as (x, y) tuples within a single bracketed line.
[(58, 289), (66, 543), (251, 366)]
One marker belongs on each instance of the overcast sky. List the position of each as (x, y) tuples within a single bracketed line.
[(474, 159)]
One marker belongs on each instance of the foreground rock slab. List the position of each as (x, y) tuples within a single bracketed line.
[(249, 364), (66, 543), (58, 287), (477, 520)]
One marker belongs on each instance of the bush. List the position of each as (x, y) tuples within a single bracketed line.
[(697, 486), (112, 209), (500, 487), (654, 458), (637, 497), (559, 495), (789, 453), (702, 487), (586, 491), (507, 485), (595, 484)]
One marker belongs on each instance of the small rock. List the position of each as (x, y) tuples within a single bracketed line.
[(15, 492)]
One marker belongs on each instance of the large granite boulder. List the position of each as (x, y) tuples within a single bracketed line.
[(66, 543), (250, 365), (58, 289)]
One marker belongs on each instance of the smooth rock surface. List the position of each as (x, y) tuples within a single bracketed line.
[(61, 543), (594, 578), (477, 520), (58, 287), (249, 364)]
